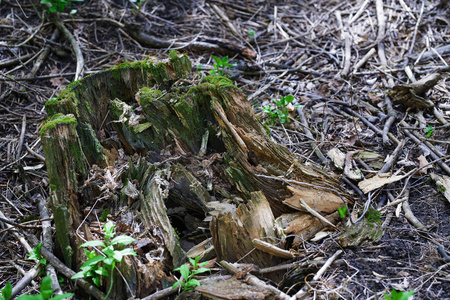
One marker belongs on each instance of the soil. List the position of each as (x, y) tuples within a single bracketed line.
[(300, 50)]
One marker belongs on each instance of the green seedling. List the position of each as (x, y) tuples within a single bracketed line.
[(281, 112), (60, 5), (199, 67), (138, 2), (251, 34), (6, 292), (399, 295), (189, 281), (342, 211), (46, 292), (221, 66), (93, 266), (36, 254), (429, 131)]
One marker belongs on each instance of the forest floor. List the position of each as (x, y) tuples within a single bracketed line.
[(308, 49)]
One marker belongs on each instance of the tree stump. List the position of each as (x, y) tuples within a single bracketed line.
[(155, 149)]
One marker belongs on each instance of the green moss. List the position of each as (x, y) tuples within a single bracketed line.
[(74, 84), (148, 93), (61, 219), (141, 127), (221, 81), (56, 120), (173, 54), (104, 214)]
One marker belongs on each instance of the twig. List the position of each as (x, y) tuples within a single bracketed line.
[(347, 54), (26, 279), (415, 28), (22, 136), (363, 60), (225, 19), (271, 249), (47, 241), (409, 214), (393, 157), (308, 133), (302, 293), (75, 46)]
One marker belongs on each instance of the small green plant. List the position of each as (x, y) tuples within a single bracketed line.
[(429, 131), (251, 34), (399, 295), (46, 292), (60, 5), (221, 66), (199, 67), (342, 211), (138, 2), (92, 267), (6, 291), (189, 281), (36, 254), (281, 112)]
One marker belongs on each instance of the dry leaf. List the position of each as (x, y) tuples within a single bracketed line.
[(378, 181), (423, 162), (56, 81)]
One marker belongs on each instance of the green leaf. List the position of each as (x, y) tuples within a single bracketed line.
[(193, 283), (95, 243), (109, 251), (96, 280), (192, 261), (289, 98), (122, 240), (109, 263), (399, 295), (109, 230), (429, 130), (93, 261), (342, 211), (200, 270), (218, 60), (102, 271), (90, 254), (36, 254), (46, 287), (7, 291), (174, 286), (127, 251), (78, 275), (184, 270), (63, 296)]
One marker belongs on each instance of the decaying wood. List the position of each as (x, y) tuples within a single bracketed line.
[(143, 126), (412, 95)]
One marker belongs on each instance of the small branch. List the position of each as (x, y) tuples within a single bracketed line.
[(302, 293), (75, 47), (271, 249), (409, 214)]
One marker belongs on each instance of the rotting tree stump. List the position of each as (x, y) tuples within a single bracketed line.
[(150, 147)]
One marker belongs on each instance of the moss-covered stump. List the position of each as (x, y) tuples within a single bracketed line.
[(157, 154)]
